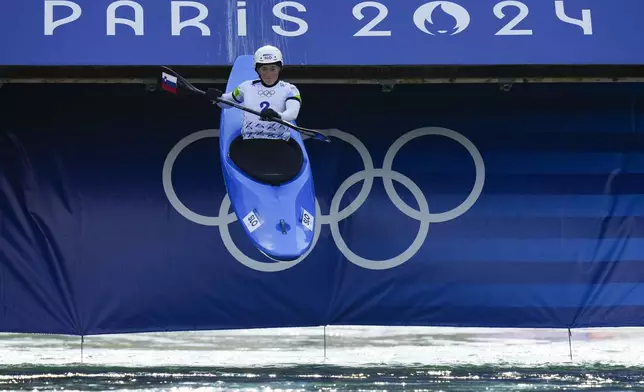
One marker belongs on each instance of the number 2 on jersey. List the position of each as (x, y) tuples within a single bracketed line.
[(264, 105)]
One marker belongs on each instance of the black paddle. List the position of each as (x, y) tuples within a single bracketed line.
[(317, 135)]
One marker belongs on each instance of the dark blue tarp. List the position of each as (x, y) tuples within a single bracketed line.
[(109, 226)]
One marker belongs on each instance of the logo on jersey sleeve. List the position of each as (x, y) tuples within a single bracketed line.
[(295, 93)]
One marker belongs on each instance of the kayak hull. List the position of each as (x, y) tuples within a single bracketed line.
[(279, 218)]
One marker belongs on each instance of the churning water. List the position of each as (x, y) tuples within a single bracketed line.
[(338, 359)]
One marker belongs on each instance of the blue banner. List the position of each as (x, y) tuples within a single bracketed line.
[(483, 208), (332, 32)]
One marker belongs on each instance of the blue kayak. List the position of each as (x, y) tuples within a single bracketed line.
[(269, 182)]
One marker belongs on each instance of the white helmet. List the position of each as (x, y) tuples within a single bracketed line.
[(268, 55)]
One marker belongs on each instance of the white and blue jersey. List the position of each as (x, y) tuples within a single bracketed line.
[(283, 97)]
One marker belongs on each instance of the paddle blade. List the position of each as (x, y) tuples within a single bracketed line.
[(321, 137)]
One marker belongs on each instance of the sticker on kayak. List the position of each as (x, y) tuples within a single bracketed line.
[(252, 221), (307, 220)]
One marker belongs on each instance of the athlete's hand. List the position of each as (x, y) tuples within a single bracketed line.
[(213, 94), (268, 114)]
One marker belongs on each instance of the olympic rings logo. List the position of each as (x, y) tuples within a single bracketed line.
[(336, 215), (265, 93)]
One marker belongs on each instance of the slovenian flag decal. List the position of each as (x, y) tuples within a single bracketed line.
[(169, 83)]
